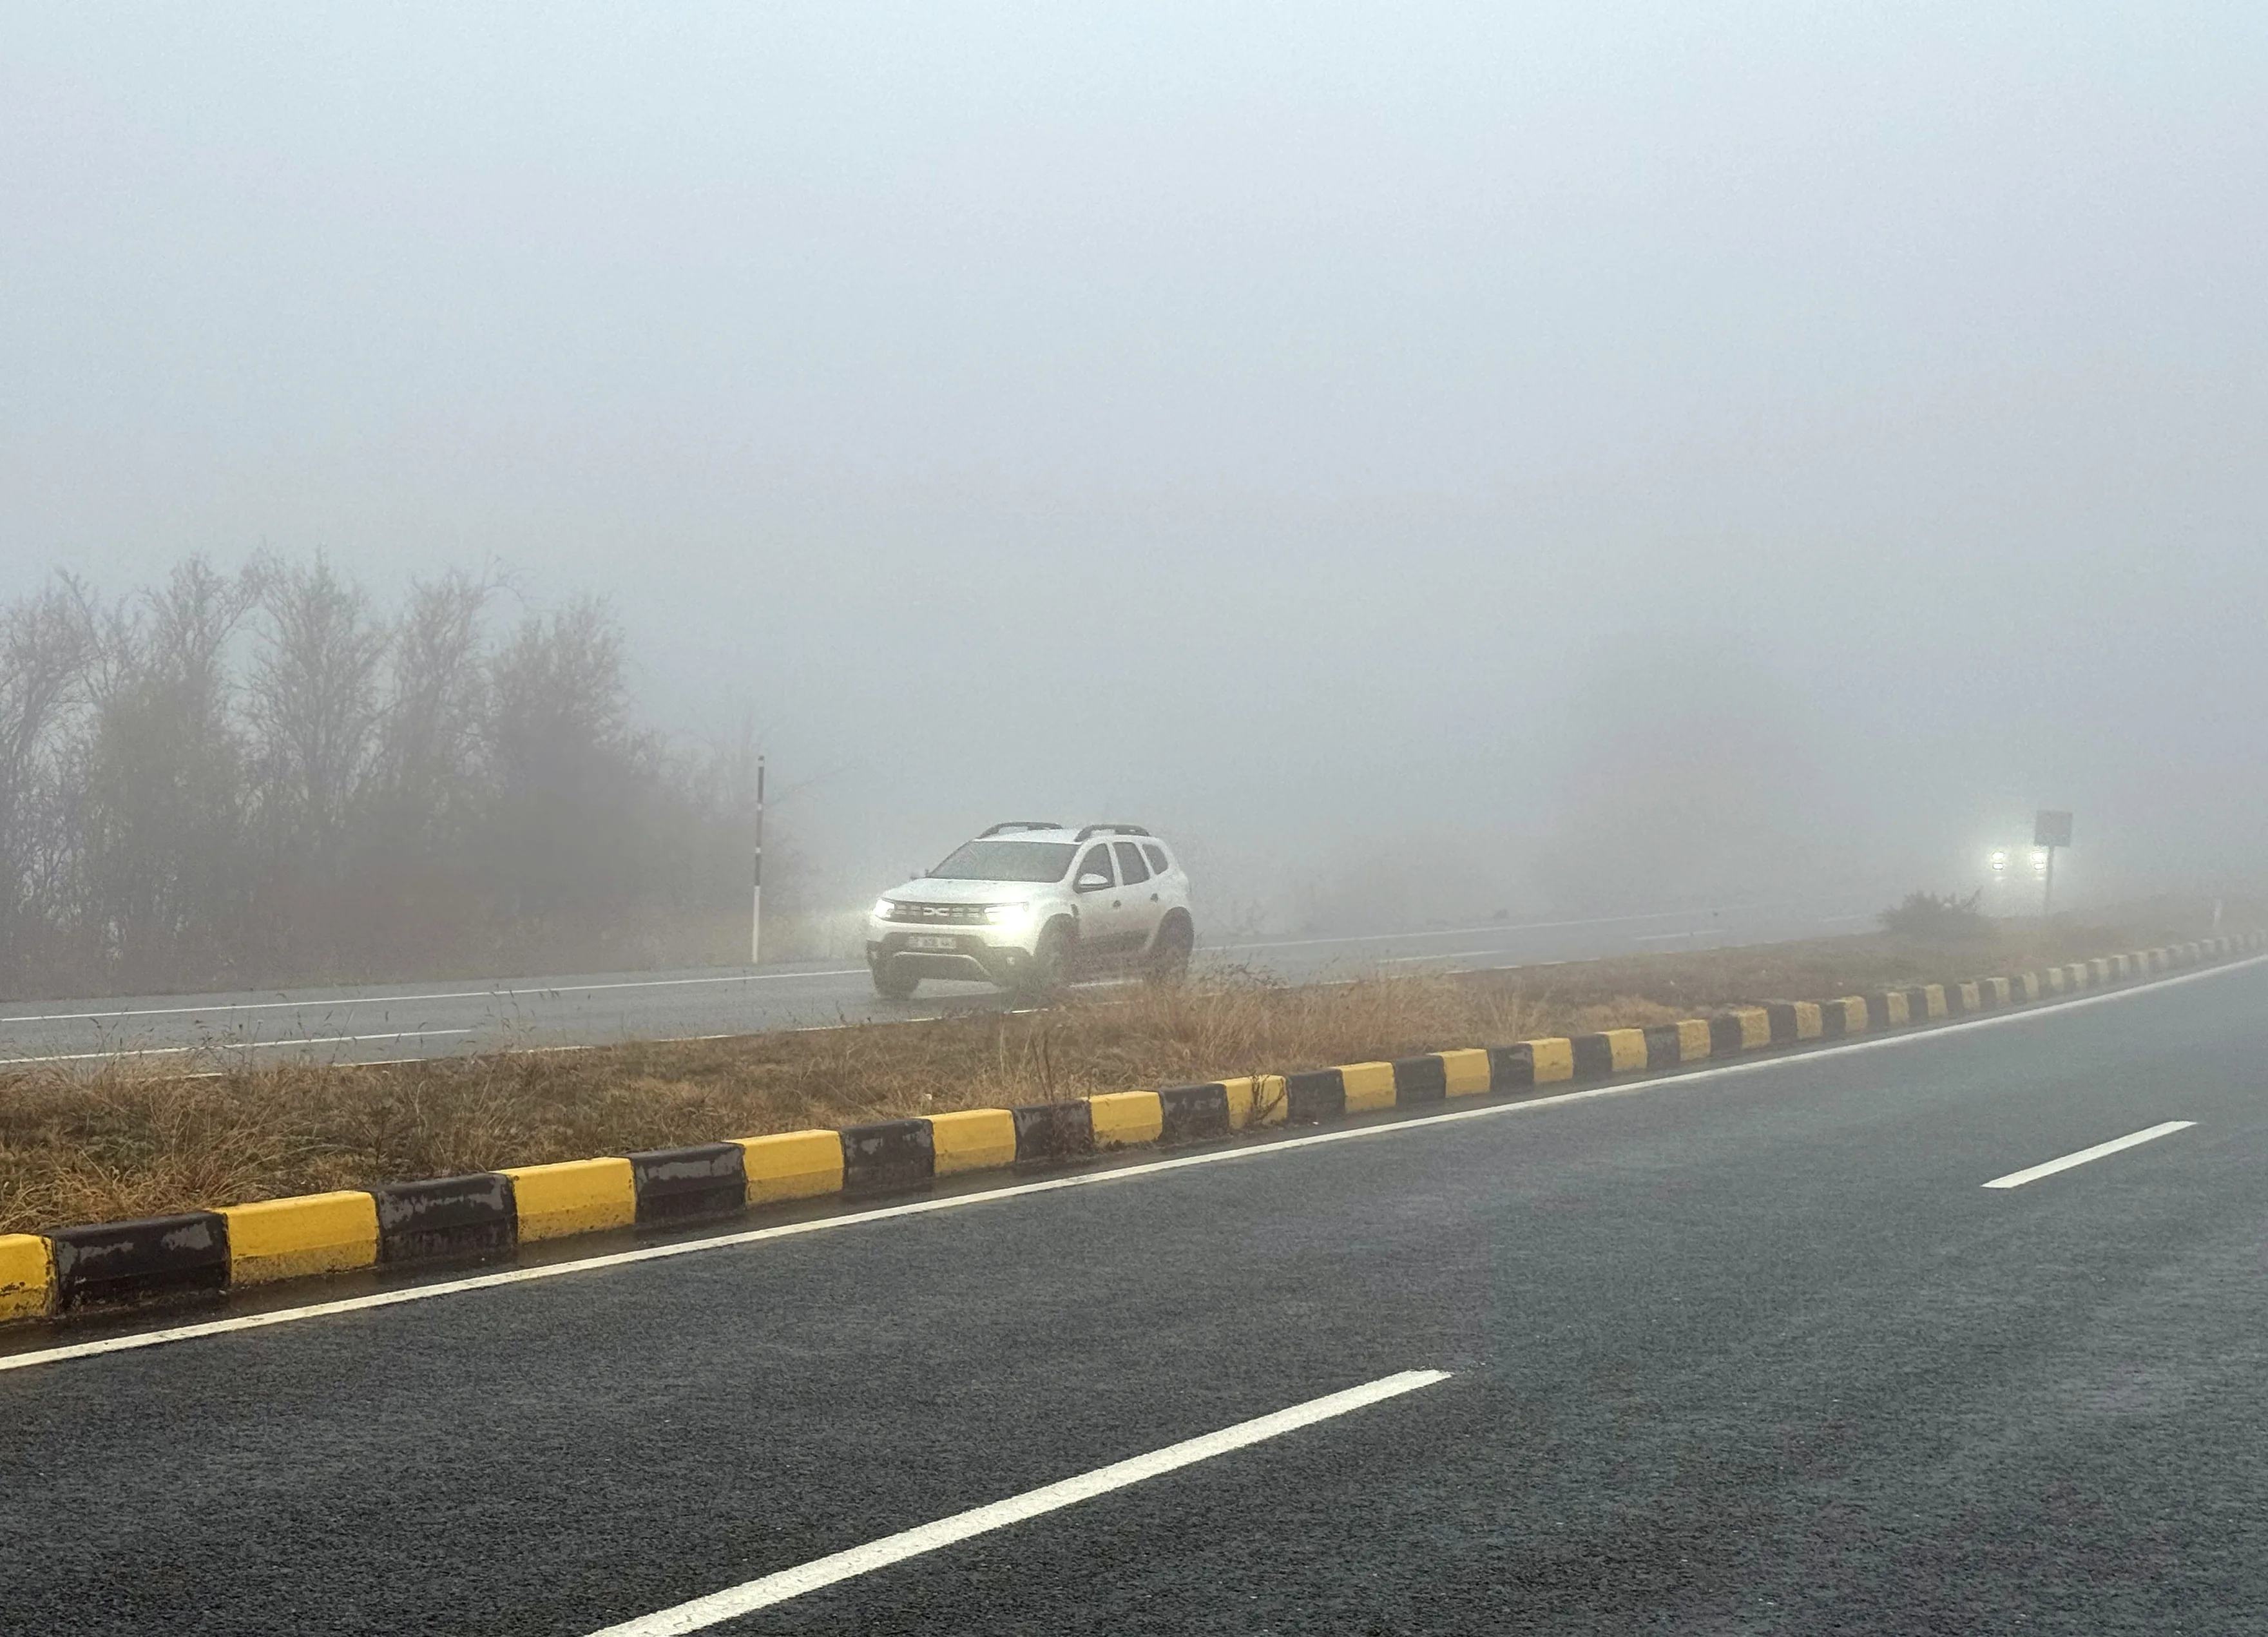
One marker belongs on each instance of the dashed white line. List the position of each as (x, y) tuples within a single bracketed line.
[(2018, 1178), (718, 1607)]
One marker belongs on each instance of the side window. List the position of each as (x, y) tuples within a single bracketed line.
[(1097, 863), (1156, 855), (1130, 867)]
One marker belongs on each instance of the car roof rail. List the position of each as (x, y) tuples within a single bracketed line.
[(1109, 829), (1022, 824)]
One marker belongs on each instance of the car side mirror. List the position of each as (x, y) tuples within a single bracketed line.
[(1093, 881)]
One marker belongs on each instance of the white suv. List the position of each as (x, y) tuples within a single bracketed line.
[(1028, 904)]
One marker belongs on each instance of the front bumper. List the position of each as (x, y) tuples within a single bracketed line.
[(972, 957)]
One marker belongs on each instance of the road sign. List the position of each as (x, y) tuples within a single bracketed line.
[(2050, 830)]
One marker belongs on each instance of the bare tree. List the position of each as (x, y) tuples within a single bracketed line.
[(312, 699), (566, 771), (430, 730), (260, 776), (162, 810), (46, 644)]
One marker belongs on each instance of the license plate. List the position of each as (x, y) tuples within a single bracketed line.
[(921, 942)]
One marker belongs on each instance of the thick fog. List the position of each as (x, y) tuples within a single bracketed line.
[(1428, 462)]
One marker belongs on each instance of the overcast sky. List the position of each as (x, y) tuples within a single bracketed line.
[(1472, 435)]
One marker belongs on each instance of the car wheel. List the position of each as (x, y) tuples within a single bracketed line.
[(891, 987), (1050, 966), (1169, 955)]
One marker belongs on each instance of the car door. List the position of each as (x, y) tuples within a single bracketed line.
[(1102, 910), (1138, 892), (1167, 880)]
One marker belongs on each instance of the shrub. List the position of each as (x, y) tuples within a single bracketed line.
[(1933, 919)]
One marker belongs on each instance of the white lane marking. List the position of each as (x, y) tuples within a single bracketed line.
[(2018, 1178), (1501, 926), (1087, 1179), (719, 1606), (1399, 960), (541, 986), (338, 1002), (282, 1043), (517, 1051)]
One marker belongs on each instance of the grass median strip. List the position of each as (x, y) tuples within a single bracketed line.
[(141, 1139), (478, 1212), (27, 1253)]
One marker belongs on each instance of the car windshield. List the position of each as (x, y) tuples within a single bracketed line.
[(1007, 860)]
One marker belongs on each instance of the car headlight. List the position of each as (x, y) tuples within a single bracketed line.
[(885, 910), (1008, 915)]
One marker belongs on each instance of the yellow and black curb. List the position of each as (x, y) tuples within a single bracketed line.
[(490, 1214)]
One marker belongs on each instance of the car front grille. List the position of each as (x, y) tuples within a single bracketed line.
[(941, 915)]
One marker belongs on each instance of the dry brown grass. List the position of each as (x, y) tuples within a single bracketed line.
[(130, 1141)]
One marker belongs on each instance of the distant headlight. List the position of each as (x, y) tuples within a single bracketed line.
[(1008, 915), (884, 909)]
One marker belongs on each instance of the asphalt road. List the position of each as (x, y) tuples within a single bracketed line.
[(377, 1022), (1755, 1351)]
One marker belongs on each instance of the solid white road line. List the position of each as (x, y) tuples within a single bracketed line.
[(342, 1003), (2018, 1178), (1498, 925), (1087, 1179), (508, 991), (718, 1607), (280, 1043)]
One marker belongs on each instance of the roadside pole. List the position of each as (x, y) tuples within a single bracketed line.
[(757, 898)]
